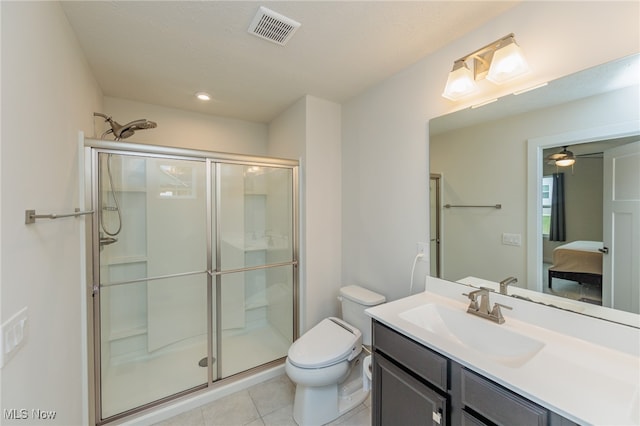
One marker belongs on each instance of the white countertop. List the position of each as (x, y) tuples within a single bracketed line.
[(587, 371)]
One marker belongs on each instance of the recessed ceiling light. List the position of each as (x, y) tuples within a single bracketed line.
[(203, 96)]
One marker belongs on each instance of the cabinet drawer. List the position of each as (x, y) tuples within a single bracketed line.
[(469, 420), (420, 360), (498, 404)]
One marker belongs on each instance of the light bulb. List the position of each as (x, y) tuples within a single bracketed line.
[(507, 63), (203, 96), (460, 82)]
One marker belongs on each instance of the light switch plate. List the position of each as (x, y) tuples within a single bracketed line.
[(512, 239), (13, 335)]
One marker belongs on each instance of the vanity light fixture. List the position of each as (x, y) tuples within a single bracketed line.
[(203, 96), (498, 62)]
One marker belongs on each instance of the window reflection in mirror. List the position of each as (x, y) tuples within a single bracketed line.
[(547, 193)]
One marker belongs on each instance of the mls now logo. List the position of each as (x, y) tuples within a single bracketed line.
[(23, 414), (16, 414)]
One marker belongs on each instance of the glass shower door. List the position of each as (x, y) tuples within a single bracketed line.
[(194, 271), (255, 227), (154, 284)]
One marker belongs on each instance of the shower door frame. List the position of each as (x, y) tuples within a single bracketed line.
[(213, 164)]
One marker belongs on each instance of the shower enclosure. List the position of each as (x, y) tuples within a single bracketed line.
[(194, 270)]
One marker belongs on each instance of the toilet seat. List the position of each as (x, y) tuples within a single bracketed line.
[(329, 342)]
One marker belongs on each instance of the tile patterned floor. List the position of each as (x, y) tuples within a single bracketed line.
[(265, 404)]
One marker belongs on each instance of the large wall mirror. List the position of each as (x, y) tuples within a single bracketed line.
[(505, 207)]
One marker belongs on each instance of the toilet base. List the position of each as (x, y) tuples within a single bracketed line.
[(318, 405), (356, 396)]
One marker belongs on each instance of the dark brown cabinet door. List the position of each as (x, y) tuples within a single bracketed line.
[(401, 399)]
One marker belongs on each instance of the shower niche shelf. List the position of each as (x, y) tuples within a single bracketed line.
[(120, 260)]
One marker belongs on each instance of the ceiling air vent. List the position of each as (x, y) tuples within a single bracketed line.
[(272, 26)]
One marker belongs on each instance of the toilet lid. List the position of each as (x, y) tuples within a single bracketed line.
[(328, 343)]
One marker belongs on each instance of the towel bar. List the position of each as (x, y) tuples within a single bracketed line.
[(30, 216), (494, 206)]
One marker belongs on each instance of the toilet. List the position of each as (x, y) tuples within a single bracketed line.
[(326, 362)]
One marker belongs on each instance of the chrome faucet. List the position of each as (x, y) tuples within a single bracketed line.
[(481, 307), (504, 283)]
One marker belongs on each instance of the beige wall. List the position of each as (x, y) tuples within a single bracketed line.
[(310, 130), (184, 129), (323, 222), (48, 94), (385, 138)]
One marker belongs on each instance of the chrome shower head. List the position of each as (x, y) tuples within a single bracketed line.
[(120, 131), (126, 130)]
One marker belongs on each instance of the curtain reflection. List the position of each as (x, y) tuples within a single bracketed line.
[(557, 231)]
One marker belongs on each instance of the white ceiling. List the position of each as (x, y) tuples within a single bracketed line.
[(162, 52)]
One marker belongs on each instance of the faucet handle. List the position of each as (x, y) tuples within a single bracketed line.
[(472, 295), (504, 283), (479, 300), (497, 313), (503, 306)]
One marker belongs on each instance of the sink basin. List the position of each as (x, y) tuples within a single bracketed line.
[(478, 334)]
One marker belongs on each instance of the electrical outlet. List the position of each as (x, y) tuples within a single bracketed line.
[(422, 249)]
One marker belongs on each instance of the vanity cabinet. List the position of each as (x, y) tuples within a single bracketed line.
[(491, 401), (414, 385), (404, 400)]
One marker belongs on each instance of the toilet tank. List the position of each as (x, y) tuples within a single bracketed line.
[(355, 300)]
